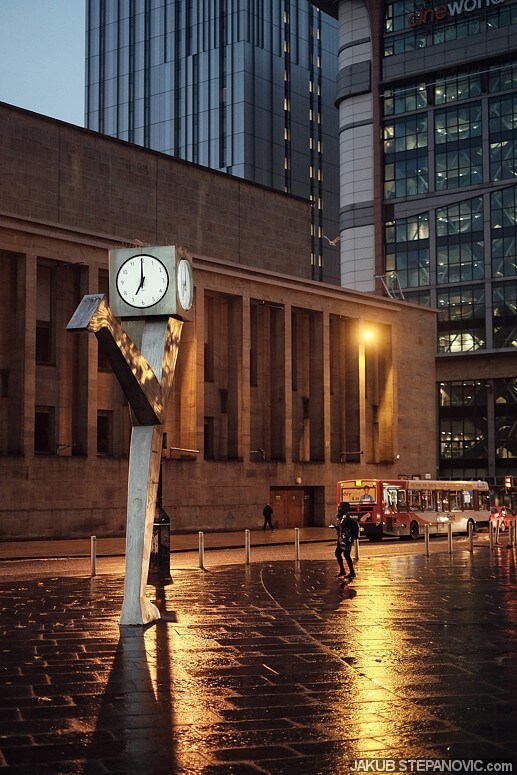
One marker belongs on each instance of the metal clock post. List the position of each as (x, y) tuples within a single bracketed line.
[(152, 292)]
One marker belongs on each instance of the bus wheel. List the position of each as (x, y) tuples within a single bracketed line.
[(413, 530)]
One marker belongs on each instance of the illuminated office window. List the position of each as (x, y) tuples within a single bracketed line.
[(503, 211), (460, 249), (461, 319), (504, 300)]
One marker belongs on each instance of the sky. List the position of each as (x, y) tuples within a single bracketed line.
[(42, 57)]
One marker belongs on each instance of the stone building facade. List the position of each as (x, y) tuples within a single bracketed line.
[(277, 393)]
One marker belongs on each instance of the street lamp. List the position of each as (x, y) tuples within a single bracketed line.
[(367, 335)]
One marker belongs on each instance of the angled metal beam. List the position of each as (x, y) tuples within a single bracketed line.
[(134, 373)]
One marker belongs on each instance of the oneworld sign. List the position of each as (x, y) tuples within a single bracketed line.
[(455, 8)]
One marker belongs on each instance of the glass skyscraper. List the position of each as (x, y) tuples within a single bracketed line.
[(246, 87), (427, 94)]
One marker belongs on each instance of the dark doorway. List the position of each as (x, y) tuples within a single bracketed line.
[(292, 506)]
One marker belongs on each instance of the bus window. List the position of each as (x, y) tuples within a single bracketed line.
[(390, 498), (455, 501), (468, 499), (414, 500), (442, 500), (450, 500), (483, 500), (428, 501)]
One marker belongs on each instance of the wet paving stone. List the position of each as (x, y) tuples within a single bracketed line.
[(269, 669)]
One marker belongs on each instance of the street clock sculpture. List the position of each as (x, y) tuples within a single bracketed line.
[(150, 283), (152, 292)]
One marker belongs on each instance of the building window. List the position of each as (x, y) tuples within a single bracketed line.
[(456, 31), (461, 319), (104, 433), (464, 437), (502, 17), (44, 329), (468, 393), (44, 431), (503, 142), (503, 77), (505, 407), (463, 422), (405, 157), (405, 100), (209, 447), (503, 210), (209, 340), (459, 152), (505, 314), (254, 344), (455, 88), (407, 250), (460, 252), (43, 341), (417, 26), (419, 297), (102, 359), (405, 134)]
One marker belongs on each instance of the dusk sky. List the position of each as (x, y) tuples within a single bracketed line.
[(42, 57)]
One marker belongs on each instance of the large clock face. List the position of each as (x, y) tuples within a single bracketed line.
[(185, 284), (142, 281)]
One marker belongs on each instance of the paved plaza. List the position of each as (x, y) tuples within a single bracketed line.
[(268, 668)]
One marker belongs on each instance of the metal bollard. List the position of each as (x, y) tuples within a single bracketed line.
[(470, 529), (297, 544), (93, 555), (512, 530), (491, 535), (497, 528), (449, 537), (356, 548), (426, 540), (247, 547), (201, 550)]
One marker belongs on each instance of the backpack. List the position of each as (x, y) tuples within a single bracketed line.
[(348, 534)]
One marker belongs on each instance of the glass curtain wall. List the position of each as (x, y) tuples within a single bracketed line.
[(246, 88), (450, 157)]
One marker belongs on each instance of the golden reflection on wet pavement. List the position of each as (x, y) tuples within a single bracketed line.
[(274, 668)]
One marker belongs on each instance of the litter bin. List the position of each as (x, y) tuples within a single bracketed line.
[(160, 559)]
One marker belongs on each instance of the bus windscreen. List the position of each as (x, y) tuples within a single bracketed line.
[(359, 492)]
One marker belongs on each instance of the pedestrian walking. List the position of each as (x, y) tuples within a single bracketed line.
[(268, 516), (347, 531)]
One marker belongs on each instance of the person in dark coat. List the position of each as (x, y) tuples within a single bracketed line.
[(347, 530), (267, 513)]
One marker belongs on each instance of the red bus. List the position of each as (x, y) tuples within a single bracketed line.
[(403, 507)]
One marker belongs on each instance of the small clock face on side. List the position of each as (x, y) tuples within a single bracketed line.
[(185, 284), (142, 281)]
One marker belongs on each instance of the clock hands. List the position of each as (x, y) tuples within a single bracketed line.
[(161, 288), (142, 277)]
